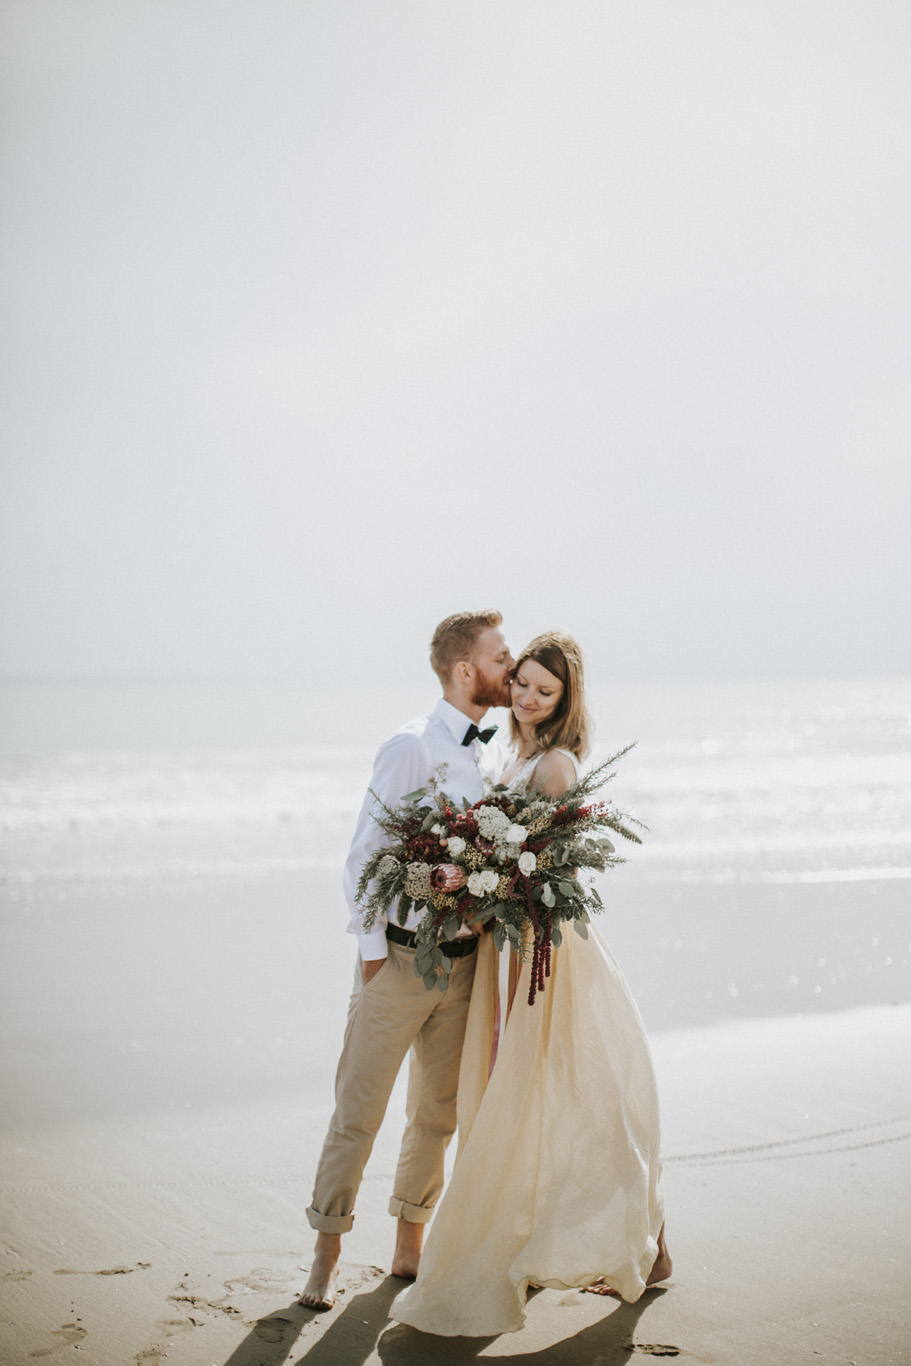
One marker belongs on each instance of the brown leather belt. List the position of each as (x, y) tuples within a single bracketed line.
[(453, 948)]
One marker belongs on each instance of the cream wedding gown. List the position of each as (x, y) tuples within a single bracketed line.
[(557, 1181)]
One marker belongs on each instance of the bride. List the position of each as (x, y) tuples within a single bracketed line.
[(557, 1180)]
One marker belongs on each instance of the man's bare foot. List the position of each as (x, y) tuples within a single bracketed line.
[(320, 1290), (409, 1239)]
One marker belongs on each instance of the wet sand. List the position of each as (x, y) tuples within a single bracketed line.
[(168, 1057)]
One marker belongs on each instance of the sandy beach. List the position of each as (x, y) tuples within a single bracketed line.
[(161, 1135)]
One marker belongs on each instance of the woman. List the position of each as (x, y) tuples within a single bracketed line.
[(557, 1181)]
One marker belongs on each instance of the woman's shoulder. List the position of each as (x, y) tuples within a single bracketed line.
[(555, 771)]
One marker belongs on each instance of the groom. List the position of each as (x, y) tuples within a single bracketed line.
[(391, 1011)]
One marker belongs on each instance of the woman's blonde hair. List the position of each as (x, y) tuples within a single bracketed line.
[(570, 727)]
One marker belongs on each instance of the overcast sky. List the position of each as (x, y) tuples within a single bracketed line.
[(323, 319)]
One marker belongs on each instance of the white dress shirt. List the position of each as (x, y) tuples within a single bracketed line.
[(403, 764)]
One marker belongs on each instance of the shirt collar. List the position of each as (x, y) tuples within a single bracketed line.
[(455, 721)]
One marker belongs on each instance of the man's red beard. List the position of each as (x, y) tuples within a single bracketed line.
[(491, 692)]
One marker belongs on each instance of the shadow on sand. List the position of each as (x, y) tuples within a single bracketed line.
[(363, 1329)]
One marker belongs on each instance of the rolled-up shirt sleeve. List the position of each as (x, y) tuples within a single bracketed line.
[(401, 766)]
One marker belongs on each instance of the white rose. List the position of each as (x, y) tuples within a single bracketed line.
[(476, 884), (489, 880), (516, 834), (436, 830), (455, 844), (527, 862)]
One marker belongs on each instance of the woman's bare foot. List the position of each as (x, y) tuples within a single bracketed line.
[(320, 1290), (409, 1239), (601, 1287), (663, 1266)]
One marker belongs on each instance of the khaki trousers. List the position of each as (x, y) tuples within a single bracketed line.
[(392, 1013)]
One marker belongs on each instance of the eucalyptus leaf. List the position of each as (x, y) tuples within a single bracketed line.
[(499, 935), (581, 929), (442, 983), (547, 896), (567, 888), (512, 932), (556, 936), (430, 980), (413, 796)]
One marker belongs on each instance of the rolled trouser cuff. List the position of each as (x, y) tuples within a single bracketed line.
[(330, 1223), (415, 1214)]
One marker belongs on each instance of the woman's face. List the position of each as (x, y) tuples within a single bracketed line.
[(535, 693)]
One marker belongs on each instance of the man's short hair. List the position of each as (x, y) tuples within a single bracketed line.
[(455, 639)]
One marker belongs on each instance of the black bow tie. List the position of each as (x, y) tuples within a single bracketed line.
[(472, 733)]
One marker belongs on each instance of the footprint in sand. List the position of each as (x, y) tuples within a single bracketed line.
[(198, 1306), (258, 1280), (69, 1334), (153, 1356), (274, 1330), (171, 1327), (108, 1271), (653, 1349), (353, 1276), (15, 1275)]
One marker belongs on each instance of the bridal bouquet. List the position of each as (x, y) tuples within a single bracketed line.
[(510, 861)]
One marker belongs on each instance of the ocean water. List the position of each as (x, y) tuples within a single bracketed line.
[(775, 874), (771, 784)]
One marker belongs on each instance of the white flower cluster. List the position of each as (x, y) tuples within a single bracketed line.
[(479, 883), (494, 824), (456, 845), (417, 881), (387, 866)]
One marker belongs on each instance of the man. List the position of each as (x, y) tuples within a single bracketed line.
[(391, 1011)]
